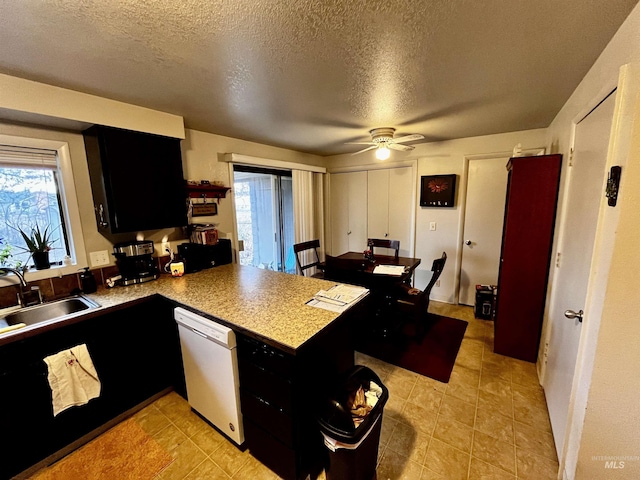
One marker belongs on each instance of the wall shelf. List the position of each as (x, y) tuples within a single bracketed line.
[(207, 191)]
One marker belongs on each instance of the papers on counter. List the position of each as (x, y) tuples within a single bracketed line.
[(338, 298), (389, 269)]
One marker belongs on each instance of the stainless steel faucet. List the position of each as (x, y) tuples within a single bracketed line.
[(23, 282), (25, 297)]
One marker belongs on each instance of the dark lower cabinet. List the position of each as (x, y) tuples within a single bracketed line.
[(281, 393), (136, 353)]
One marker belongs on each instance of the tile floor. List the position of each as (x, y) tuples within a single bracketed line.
[(489, 422)]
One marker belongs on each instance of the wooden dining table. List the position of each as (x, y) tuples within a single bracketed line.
[(365, 268)]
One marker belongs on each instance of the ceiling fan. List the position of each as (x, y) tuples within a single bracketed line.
[(382, 140)]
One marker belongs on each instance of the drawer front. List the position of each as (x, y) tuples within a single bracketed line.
[(268, 417), (264, 384), (267, 357), (270, 451)]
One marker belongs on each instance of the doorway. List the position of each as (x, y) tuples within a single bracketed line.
[(264, 217), (483, 220), (587, 172)]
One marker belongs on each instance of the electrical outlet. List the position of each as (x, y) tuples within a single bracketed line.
[(99, 258), (437, 283), (161, 249), (432, 226)]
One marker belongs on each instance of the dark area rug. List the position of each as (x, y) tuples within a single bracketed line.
[(433, 355)]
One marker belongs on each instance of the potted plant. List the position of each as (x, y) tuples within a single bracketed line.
[(38, 244)]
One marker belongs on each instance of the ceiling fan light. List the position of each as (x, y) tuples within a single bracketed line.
[(382, 152)]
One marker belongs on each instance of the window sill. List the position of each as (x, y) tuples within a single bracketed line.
[(33, 275)]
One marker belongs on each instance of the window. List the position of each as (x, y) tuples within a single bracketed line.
[(37, 190), (264, 217)]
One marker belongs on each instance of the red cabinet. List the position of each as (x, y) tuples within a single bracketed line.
[(532, 194)]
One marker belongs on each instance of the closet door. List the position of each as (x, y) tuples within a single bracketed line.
[(348, 212), (401, 207), (390, 196), (339, 214), (357, 211), (378, 204)]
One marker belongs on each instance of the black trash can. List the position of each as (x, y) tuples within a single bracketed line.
[(352, 450)]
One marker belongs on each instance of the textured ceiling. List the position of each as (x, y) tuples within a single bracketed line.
[(311, 75)]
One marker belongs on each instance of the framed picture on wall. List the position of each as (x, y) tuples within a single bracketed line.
[(437, 190)]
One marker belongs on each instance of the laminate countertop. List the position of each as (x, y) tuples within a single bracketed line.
[(270, 305)]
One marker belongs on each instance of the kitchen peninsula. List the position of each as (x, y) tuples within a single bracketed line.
[(287, 351)]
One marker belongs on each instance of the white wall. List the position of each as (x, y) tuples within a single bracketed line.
[(200, 162), (605, 413), (25, 100), (200, 159), (445, 158)]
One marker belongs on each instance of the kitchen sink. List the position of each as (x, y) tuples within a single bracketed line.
[(48, 311)]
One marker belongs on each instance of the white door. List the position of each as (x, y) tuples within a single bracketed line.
[(390, 197), (357, 211), (348, 212), (585, 193), (378, 204), (401, 210), (483, 221), (339, 214)]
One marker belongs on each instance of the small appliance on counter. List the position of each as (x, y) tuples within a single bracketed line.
[(135, 262), (198, 257)]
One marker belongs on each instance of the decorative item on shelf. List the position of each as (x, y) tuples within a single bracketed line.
[(205, 189), (205, 234), (38, 244)]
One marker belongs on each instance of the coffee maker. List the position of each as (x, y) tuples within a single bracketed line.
[(135, 262)]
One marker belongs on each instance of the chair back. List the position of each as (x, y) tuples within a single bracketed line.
[(345, 270), (436, 268), (312, 247), (383, 243)]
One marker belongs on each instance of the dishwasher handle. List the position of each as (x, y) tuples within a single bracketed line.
[(198, 332)]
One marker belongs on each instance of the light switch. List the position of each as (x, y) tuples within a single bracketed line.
[(432, 226)]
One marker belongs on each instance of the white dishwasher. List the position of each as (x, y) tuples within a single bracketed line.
[(211, 371)]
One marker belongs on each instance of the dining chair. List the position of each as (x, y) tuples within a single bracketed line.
[(413, 304), (311, 248), (382, 243)]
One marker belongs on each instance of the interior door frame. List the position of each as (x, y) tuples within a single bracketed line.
[(464, 183)]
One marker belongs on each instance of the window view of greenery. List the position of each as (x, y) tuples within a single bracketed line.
[(29, 203)]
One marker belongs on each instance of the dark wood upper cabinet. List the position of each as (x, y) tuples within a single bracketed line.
[(136, 179), (527, 238)]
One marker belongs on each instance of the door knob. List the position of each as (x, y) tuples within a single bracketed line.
[(468, 242), (572, 315)]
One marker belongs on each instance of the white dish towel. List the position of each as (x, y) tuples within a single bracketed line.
[(72, 377)]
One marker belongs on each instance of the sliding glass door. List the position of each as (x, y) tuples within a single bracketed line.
[(264, 216)]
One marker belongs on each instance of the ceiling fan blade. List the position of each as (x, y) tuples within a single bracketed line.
[(368, 148), (404, 148), (360, 143), (408, 138)]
